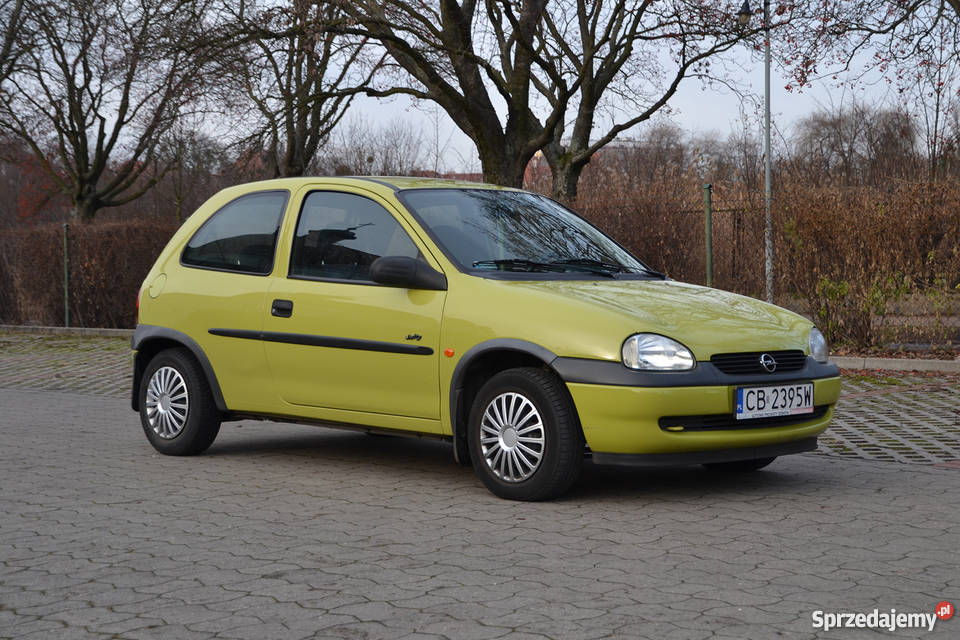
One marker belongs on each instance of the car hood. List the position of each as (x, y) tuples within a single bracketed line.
[(708, 321)]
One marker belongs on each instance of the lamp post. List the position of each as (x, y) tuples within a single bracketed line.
[(743, 17)]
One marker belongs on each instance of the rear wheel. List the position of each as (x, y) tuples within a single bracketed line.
[(524, 435), (740, 466), (177, 411)]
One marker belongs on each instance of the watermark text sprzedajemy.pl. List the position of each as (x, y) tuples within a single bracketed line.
[(882, 620)]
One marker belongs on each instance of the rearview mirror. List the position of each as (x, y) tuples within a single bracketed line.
[(406, 272)]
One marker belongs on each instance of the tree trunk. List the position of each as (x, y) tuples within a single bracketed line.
[(85, 204), (565, 171), (566, 180), (294, 160), (504, 167)]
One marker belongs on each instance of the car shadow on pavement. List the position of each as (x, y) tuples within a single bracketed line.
[(256, 440), (599, 481), (293, 444), (432, 460)]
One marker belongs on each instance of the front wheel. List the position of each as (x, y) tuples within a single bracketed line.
[(524, 435), (740, 466), (177, 410)]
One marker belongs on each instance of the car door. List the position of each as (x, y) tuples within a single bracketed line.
[(337, 340)]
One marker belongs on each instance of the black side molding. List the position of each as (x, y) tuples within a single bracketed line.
[(323, 341)]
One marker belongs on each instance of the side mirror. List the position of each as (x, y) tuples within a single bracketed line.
[(408, 273)]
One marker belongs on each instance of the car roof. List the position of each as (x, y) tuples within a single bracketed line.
[(391, 183)]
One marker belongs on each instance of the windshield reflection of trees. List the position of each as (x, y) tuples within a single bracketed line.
[(523, 226)]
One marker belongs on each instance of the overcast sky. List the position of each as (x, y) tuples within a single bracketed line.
[(695, 108)]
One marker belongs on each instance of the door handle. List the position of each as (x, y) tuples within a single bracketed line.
[(282, 308)]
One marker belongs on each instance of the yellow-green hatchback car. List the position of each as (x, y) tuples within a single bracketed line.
[(493, 318)]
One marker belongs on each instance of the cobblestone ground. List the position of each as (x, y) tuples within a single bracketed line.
[(905, 418), (299, 532), (90, 365)]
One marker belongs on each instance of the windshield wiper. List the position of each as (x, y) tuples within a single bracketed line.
[(590, 262), (589, 265), (607, 268), (518, 264), (593, 266)]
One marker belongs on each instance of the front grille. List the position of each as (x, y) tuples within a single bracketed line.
[(727, 421), (741, 363)]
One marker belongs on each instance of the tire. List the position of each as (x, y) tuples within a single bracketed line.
[(177, 411), (740, 466), (541, 459)]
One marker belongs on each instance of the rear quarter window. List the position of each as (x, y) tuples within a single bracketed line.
[(241, 236)]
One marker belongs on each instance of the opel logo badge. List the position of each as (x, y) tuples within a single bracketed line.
[(767, 362)]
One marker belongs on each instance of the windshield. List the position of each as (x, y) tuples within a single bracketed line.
[(487, 230)]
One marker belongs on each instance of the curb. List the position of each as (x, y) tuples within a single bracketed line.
[(68, 331), (897, 364)]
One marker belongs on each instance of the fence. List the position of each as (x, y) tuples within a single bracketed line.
[(84, 275), (728, 232), (870, 266), (676, 241)]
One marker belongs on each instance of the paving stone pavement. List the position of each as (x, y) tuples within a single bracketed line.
[(906, 418), (94, 365), (282, 531), (902, 417)]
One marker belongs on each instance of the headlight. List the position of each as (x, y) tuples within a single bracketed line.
[(650, 352), (818, 346)]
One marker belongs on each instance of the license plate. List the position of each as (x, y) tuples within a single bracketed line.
[(774, 401)]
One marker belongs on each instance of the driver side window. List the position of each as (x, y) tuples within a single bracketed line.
[(339, 235)]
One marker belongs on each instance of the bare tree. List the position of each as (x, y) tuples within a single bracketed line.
[(929, 91), (359, 147), (855, 144), (661, 152), (744, 156), (195, 160), (478, 62), (11, 16), (597, 67), (402, 147), (628, 59), (97, 86), (894, 37), (438, 143), (297, 73)]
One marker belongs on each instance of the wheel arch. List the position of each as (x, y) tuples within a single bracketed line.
[(479, 364), (149, 340)]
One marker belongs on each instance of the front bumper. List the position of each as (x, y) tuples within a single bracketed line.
[(627, 420), (706, 457)]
